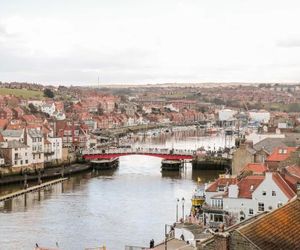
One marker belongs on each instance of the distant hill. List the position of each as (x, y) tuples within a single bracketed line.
[(27, 94)]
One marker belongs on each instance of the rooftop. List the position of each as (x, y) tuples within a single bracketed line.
[(12, 133), (13, 144), (276, 230), (281, 153), (221, 182), (256, 168)]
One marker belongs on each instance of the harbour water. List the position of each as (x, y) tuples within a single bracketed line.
[(128, 206)]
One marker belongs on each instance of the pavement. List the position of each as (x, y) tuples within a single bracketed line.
[(175, 244)]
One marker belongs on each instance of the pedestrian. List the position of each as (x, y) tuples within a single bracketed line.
[(182, 237), (152, 243)]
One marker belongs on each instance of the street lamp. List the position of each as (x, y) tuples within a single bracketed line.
[(182, 200), (177, 201)]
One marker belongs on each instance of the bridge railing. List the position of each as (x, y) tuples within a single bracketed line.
[(137, 150)]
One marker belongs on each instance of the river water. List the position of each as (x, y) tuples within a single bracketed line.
[(128, 206)]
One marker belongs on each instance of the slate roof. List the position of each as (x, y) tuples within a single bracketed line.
[(276, 230), (12, 133), (269, 144), (35, 133), (13, 144)]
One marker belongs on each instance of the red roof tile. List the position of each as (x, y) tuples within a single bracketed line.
[(281, 153), (281, 183), (256, 168), (277, 230), (293, 170), (248, 184), (221, 182), (3, 123)]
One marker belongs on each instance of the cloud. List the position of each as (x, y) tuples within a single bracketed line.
[(289, 43)]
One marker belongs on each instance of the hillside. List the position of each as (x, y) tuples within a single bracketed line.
[(27, 94)]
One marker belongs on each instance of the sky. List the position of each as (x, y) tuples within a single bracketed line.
[(154, 41)]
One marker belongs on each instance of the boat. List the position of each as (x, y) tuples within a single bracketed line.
[(171, 165), (105, 164)]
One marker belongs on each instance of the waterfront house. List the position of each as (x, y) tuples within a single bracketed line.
[(53, 150), (16, 154), (247, 197), (213, 213), (278, 229), (12, 135), (35, 140)]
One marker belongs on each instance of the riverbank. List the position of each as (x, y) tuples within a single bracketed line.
[(46, 173)]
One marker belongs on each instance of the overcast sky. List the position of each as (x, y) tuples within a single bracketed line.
[(149, 41)]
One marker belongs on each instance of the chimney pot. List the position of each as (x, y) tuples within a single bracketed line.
[(298, 189)]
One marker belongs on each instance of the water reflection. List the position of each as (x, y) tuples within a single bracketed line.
[(131, 204)]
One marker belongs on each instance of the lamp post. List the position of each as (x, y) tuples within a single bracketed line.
[(182, 200), (177, 201)]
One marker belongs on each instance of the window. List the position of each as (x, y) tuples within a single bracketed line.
[(220, 188), (279, 204), (16, 162), (264, 193), (261, 206), (25, 154), (21, 162), (26, 161), (273, 193), (218, 218), (250, 211)]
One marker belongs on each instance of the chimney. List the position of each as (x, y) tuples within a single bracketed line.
[(268, 175), (298, 189)]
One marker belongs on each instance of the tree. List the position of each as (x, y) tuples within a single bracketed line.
[(32, 108), (48, 93)]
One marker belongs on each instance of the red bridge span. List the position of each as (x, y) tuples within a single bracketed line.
[(167, 154)]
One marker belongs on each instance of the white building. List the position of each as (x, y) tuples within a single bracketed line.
[(245, 198), (35, 140), (16, 154), (53, 149), (226, 115), (259, 116), (13, 135), (48, 108)]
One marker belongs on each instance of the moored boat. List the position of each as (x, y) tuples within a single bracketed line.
[(105, 164), (171, 165)]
